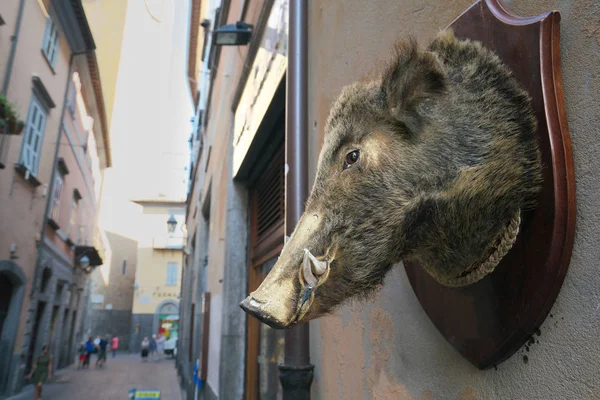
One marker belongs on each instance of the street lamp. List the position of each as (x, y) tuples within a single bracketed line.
[(84, 263), (237, 34), (171, 224)]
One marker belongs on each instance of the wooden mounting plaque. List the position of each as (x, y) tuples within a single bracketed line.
[(489, 321)]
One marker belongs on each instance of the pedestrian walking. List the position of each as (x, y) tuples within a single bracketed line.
[(82, 352), (145, 349), (101, 360), (114, 345), (160, 345), (153, 347), (89, 350), (41, 371)]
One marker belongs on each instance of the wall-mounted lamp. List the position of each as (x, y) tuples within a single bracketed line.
[(237, 34), (171, 224), (84, 263)]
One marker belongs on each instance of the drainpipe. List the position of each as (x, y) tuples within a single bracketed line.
[(296, 372), (13, 48), (52, 174)]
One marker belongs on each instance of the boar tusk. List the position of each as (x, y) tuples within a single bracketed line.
[(320, 266), (307, 273)]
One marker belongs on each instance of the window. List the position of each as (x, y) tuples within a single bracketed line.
[(82, 235), (34, 132), (72, 101), (172, 273), (72, 228), (50, 44), (55, 209), (124, 267)]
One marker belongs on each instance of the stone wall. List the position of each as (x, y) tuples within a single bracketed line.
[(145, 329), (111, 322)]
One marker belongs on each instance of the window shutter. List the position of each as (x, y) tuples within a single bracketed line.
[(50, 44), (32, 144), (73, 218), (171, 273), (269, 189), (58, 184), (54, 46), (72, 99)]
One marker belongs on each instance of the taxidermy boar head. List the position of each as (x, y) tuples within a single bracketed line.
[(432, 163)]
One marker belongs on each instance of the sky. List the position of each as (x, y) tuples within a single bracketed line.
[(151, 112)]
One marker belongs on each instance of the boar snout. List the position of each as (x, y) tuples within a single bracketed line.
[(288, 291), (254, 308), (274, 302)]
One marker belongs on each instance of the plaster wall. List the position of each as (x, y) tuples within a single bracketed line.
[(22, 203), (152, 257), (226, 228), (388, 348), (108, 17), (83, 175), (151, 277)]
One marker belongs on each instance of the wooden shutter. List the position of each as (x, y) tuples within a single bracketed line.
[(36, 122), (58, 184), (50, 45), (73, 218), (191, 338), (268, 209)]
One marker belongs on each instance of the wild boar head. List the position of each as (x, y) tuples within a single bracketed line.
[(431, 163)]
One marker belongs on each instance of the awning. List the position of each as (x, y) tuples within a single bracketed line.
[(91, 252)]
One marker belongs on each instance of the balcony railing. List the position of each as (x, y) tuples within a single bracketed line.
[(168, 242)]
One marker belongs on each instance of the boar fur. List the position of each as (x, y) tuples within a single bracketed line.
[(446, 157)]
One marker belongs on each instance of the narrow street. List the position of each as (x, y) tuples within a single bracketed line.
[(113, 381)]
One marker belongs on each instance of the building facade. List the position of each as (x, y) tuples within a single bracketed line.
[(387, 347), (235, 204), (158, 274), (141, 53), (50, 183), (111, 286)]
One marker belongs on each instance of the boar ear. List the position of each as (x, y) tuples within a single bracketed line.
[(412, 77)]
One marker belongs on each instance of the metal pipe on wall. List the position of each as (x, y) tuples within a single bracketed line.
[(296, 372), (13, 48)]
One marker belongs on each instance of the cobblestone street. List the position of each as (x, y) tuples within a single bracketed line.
[(112, 382)]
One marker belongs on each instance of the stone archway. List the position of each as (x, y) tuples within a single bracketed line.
[(12, 279), (164, 317)]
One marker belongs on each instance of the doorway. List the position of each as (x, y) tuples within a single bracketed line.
[(265, 345), (39, 313), (6, 289)]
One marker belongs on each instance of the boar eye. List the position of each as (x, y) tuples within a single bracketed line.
[(351, 158)]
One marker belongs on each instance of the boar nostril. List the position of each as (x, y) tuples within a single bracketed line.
[(252, 307)]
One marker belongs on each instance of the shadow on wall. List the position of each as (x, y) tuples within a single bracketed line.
[(112, 291)]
